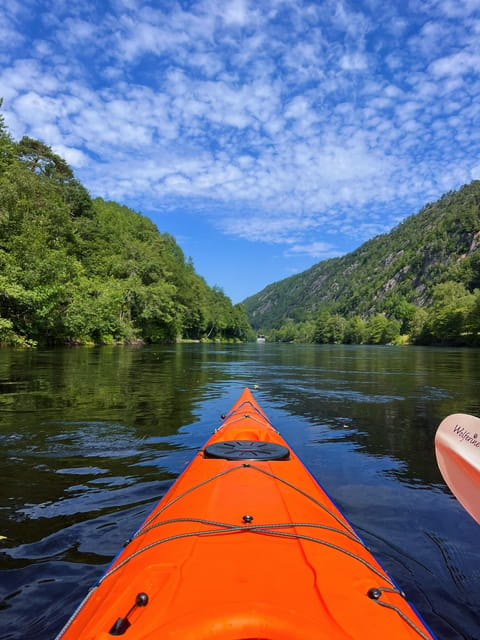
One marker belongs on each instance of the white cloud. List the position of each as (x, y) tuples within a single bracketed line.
[(458, 8), (297, 108), (235, 12), (318, 250), (456, 64), (74, 157), (354, 62), (279, 120)]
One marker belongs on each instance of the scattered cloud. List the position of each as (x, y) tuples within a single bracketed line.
[(317, 250), (278, 122)]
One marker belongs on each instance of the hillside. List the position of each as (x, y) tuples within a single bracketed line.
[(440, 244), (79, 270)]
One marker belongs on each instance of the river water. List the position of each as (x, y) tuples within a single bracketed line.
[(91, 438)]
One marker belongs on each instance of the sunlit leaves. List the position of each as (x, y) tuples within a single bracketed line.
[(73, 270)]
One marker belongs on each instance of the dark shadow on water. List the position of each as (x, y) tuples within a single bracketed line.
[(92, 438)]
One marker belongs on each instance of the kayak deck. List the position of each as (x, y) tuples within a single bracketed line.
[(245, 545)]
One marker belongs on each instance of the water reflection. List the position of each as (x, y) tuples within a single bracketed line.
[(91, 438)]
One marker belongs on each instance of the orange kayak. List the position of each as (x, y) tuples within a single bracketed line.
[(245, 545)]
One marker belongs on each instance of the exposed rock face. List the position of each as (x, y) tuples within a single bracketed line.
[(438, 244)]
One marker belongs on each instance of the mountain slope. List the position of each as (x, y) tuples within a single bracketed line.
[(439, 244)]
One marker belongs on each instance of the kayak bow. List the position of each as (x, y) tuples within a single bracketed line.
[(245, 545)]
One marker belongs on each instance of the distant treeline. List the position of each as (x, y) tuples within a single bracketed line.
[(77, 270), (420, 283), (452, 318)]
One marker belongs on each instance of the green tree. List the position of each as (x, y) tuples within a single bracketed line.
[(380, 330), (322, 328), (337, 329), (469, 271), (288, 332), (418, 327), (472, 319), (305, 332), (448, 314), (355, 331), (77, 270), (41, 160)]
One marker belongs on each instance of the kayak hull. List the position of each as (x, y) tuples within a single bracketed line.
[(246, 544)]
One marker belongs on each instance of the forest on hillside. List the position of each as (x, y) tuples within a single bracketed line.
[(77, 270), (419, 284), (452, 318)]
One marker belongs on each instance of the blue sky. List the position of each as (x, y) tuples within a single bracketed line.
[(264, 135)]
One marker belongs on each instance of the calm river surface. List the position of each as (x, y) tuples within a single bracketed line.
[(92, 438)]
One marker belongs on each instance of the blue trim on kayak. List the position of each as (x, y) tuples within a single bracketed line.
[(413, 607)]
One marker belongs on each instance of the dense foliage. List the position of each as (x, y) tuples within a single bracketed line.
[(419, 283), (77, 270)]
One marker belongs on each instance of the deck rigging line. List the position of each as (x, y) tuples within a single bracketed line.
[(272, 529)]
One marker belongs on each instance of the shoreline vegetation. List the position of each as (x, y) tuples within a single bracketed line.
[(419, 284), (444, 323), (81, 271)]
